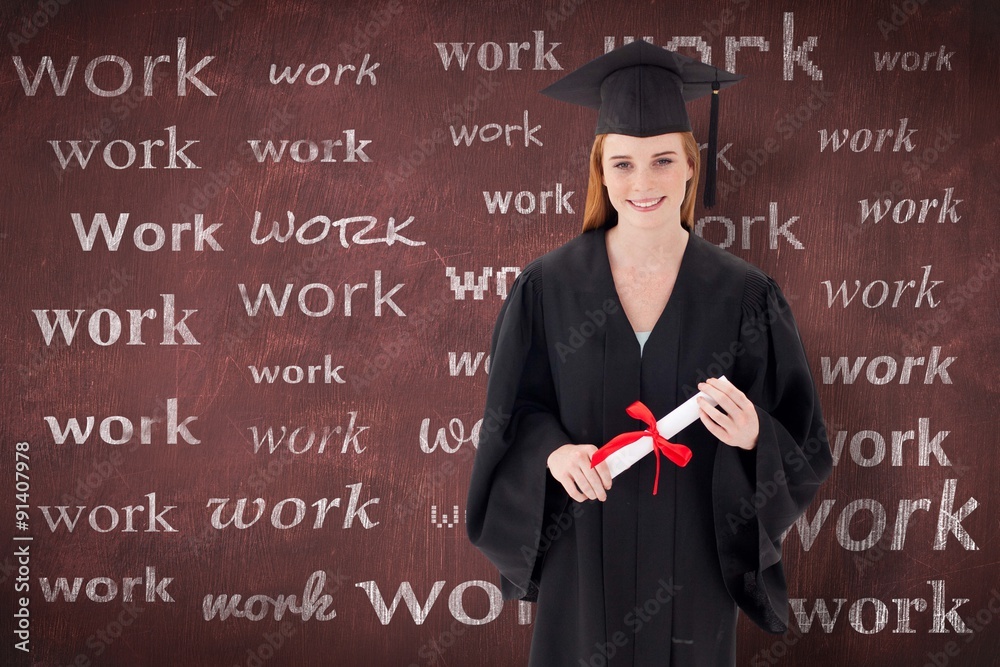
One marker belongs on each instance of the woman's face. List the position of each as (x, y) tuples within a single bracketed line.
[(645, 177)]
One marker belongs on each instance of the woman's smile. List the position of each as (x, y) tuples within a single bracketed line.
[(646, 204)]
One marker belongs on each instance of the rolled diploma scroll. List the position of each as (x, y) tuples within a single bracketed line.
[(672, 424)]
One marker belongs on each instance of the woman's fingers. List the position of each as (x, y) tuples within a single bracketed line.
[(720, 392), (573, 492), (739, 426), (570, 465), (604, 473), (589, 481), (714, 421), (583, 483), (599, 476)]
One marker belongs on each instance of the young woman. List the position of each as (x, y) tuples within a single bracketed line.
[(638, 307)]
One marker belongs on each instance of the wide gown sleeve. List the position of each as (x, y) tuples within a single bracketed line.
[(510, 487), (758, 494)]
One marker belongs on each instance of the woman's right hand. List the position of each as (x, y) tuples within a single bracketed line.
[(570, 465)]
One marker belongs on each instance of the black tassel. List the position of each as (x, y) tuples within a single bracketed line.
[(713, 146)]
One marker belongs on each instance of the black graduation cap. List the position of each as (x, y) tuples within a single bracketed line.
[(640, 89)]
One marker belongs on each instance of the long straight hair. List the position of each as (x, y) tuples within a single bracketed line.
[(599, 211)]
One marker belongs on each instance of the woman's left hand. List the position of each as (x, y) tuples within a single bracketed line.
[(738, 428)]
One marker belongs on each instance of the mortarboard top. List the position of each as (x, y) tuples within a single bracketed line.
[(640, 90)]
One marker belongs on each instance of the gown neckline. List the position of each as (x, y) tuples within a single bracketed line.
[(610, 276)]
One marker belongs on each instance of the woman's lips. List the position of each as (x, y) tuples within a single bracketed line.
[(649, 204)]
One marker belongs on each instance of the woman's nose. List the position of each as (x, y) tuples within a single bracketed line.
[(642, 181)]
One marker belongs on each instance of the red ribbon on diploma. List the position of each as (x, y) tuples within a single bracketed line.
[(679, 454)]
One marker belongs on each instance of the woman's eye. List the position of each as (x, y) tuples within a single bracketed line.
[(664, 161), (620, 165)]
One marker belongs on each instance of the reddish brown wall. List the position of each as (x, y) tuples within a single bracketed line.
[(416, 170)]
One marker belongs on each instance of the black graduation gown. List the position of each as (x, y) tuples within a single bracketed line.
[(642, 579)]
